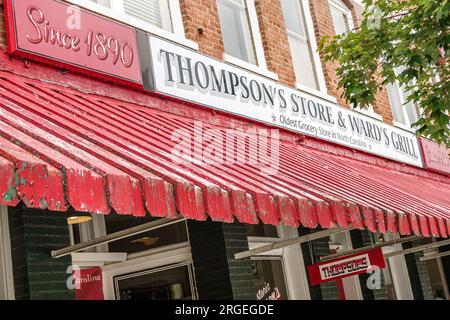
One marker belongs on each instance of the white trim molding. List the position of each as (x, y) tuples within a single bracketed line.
[(117, 12)]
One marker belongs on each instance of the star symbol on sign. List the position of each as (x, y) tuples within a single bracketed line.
[(274, 118)]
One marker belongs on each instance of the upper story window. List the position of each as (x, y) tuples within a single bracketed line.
[(341, 16), (302, 42), (404, 114), (160, 17), (343, 22), (241, 36), (155, 12), (236, 31)]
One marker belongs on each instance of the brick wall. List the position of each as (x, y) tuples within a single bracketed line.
[(323, 26), (203, 15), (275, 40), (34, 234), (218, 275)]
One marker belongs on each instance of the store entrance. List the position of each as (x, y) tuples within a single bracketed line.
[(166, 283)]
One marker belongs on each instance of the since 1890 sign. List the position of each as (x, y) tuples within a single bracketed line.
[(188, 75), (56, 32)]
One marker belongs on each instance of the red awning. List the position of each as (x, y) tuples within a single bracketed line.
[(62, 148)]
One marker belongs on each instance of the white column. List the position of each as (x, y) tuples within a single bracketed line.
[(294, 266), (6, 272), (399, 271)]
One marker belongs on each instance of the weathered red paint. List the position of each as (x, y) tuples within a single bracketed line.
[(115, 155), (435, 156), (108, 51)]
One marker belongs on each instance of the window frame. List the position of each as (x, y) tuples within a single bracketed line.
[(400, 92), (370, 112), (322, 91), (261, 66), (117, 12), (345, 10), (292, 258)]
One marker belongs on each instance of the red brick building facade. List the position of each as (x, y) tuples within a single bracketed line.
[(196, 259)]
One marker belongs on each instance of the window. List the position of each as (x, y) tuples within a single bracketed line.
[(155, 12), (269, 278), (341, 16), (405, 114), (161, 17), (241, 36), (165, 283), (168, 235), (236, 31), (343, 23), (301, 42), (105, 3)]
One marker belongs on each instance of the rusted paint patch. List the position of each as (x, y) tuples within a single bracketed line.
[(243, 206), (189, 200), (392, 222), (218, 204), (369, 219), (86, 191), (41, 186), (8, 183), (381, 220), (442, 227), (287, 211), (404, 226), (266, 209), (355, 217), (307, 213), (325, 215), (339, 210), (434, 227)]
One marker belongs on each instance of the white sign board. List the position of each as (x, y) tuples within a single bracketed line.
[(189, 75)]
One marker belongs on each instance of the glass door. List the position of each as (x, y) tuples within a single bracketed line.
[(270, 278)]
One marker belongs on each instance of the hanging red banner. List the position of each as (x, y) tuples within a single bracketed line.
[(88, 284), (347, 266), (435, 156)]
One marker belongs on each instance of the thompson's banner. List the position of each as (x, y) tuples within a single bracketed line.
[(346, 266), (174, 70)]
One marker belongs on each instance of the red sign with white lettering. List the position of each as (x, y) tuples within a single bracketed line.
[(347, 266), (65, 35), (435, 156), (89, 284)]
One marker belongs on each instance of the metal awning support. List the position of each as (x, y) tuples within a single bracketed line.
[(289, 242), (116, 236), (435, 256), (377, 245), (419, 248)]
